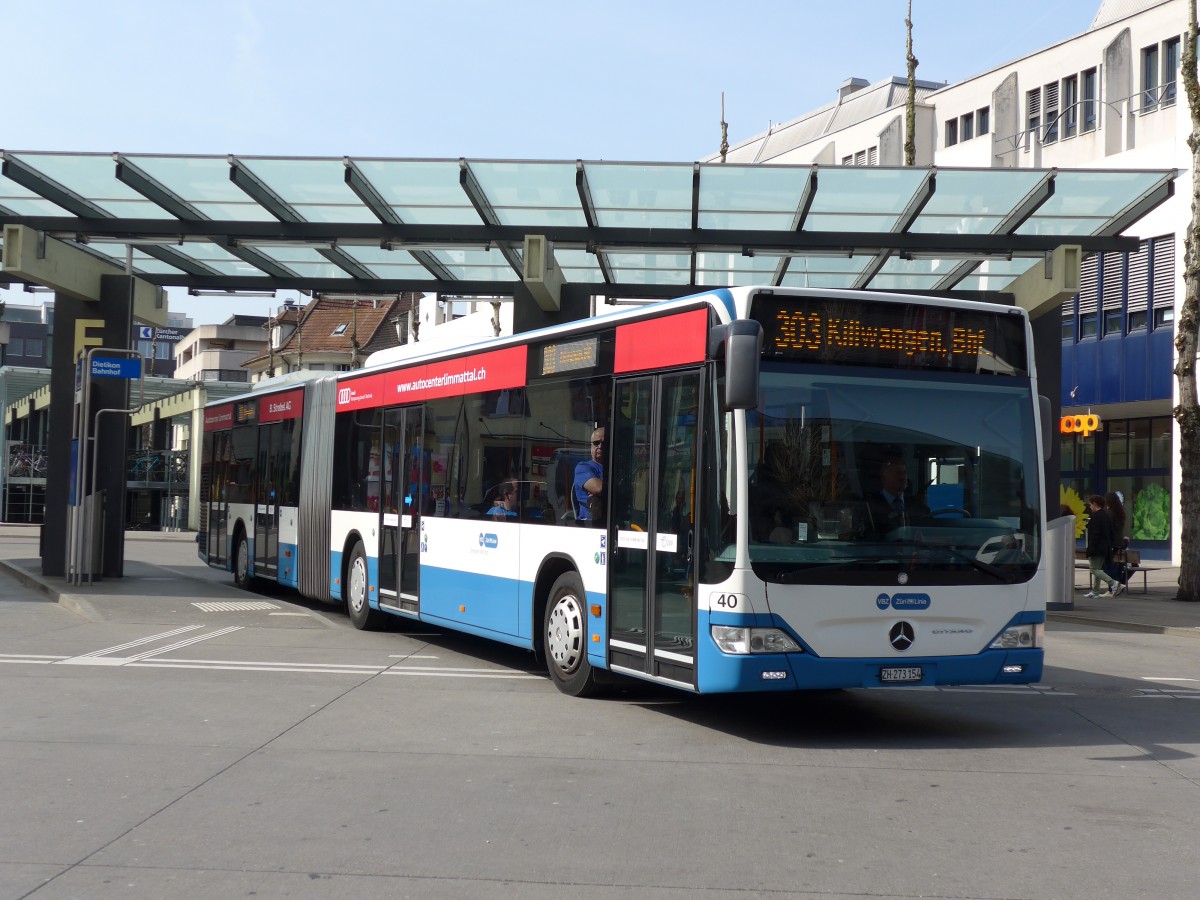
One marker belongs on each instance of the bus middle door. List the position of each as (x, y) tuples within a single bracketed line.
[(650, 468), (404, 481)]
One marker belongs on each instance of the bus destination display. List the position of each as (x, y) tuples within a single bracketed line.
[(246, 411), (891, 335), (569, 356)]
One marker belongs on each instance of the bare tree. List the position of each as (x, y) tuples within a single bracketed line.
[(1187, 336), (724, 129), (910, 110)]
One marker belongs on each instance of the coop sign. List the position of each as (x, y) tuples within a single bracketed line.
[(1083, 425)]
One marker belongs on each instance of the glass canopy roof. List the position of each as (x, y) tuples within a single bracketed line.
[(621, 228)]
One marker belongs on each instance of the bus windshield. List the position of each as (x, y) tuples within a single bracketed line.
[(863, 477)]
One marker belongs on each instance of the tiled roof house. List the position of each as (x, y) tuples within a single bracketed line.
[(330, 334)]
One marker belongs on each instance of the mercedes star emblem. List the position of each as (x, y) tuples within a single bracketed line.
[(901, 636)]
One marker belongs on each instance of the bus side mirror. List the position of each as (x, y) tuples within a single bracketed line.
[(1048, 435), (741, 343)]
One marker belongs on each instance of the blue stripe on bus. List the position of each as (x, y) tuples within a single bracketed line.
[(289, 572), (720, 672), (726, 297), (335, 574), (468, 598)]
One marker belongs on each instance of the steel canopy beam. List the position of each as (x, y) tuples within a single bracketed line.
[(29, 177), (1164, 190), (581, 237), (798, 220), (916, 203), (483, 206), (1030, 203), (589, 215)]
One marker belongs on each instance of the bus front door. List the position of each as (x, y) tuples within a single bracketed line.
[(650, 468), (404, 483)]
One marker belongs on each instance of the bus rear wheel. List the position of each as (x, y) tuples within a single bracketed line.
[(564, 638), (241, 561), (358, 604)]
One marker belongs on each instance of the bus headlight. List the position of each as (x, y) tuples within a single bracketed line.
[(753, 640), (1019, 637)]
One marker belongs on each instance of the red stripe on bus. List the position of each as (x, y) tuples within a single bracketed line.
[(659, 343), (218, 418), (494, 371), (281, 407)]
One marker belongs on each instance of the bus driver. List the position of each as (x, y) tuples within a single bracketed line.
[(589, 482)]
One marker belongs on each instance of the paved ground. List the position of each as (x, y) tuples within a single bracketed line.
[(151, 748)]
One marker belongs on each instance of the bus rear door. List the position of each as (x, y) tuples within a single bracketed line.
[(650, 466)]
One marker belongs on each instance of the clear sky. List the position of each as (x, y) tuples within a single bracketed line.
[(538, 79)]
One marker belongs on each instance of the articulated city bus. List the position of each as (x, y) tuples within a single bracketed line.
[(752, 489)]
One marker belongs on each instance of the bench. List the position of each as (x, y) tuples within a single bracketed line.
[(1133, 565)]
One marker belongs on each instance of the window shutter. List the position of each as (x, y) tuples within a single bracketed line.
[(1139, 273), (872, 156), (1088, 272), (1033, 102), (1164, 270), (1113, 276)]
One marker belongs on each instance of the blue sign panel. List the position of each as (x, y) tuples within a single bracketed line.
[(116, 367)]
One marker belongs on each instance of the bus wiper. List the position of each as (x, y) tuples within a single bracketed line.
[(986, 567)]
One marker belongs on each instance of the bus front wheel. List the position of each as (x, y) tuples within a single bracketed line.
[(564, 634), (356, 581)]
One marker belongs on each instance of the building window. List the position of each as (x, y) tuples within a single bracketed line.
[(1137, 320), (1089, 100), (982, 121), (951, 132), (16, 347), (872, 156), (33, 347), (847, 160), (860, 158), (1033, 115), (1150, 78), (1050, 96), (1087, 325), (341, 329), (1163, 315), (1170, 71), (1112, 321), (966, 126), (1070, 99), (1068, 330)]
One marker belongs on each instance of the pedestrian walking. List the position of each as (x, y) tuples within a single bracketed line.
[(1100, 548)]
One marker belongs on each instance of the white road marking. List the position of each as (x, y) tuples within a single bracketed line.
[(93, 659), (138, 642), (1158, 678)]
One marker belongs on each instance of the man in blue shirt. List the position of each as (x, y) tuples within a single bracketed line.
[(589, 479)]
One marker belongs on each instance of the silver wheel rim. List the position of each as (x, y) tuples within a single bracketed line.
[(243, 560), (564, 633), (358, 584)]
